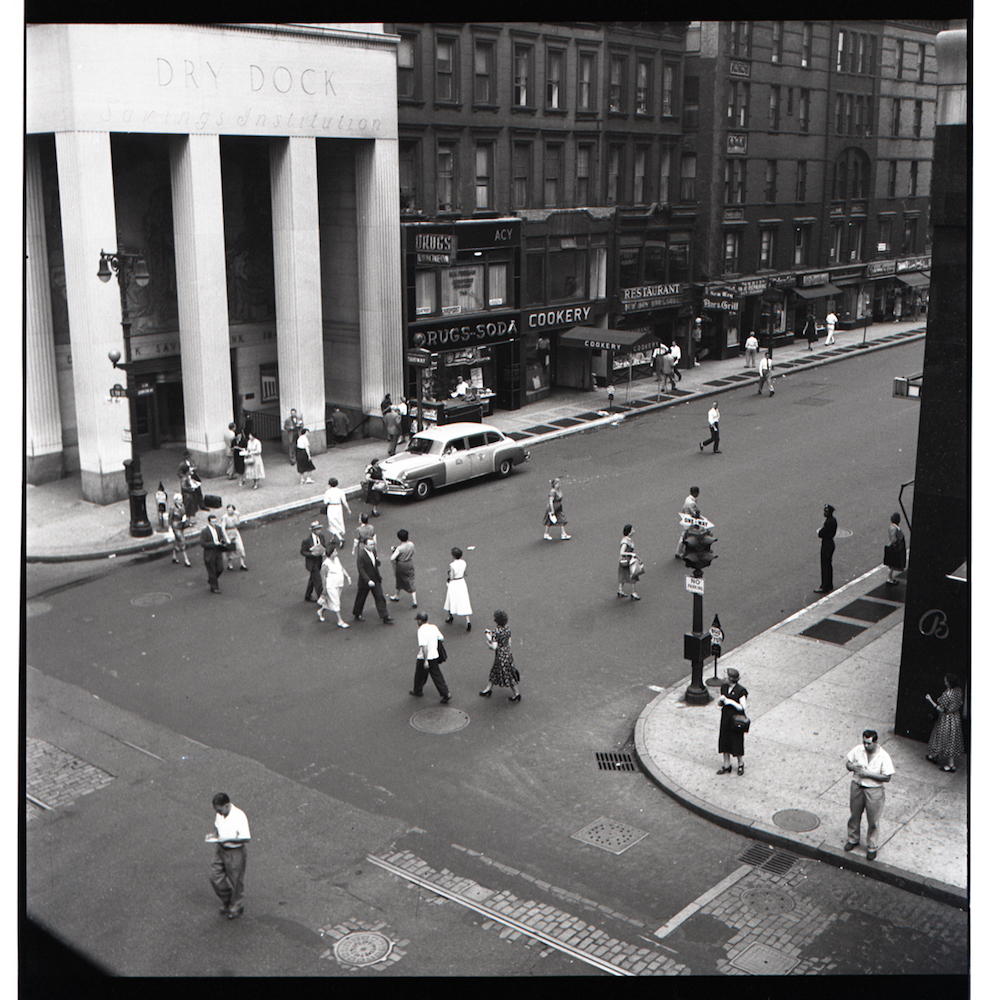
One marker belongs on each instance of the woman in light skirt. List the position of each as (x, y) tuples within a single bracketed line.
[(334, 576), (177, 519), (254, 462), (231, 525), (456, 601)]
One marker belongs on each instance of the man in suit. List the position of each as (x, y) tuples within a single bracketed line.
[(826, 546), (213, 543), (369, 580), (314, 549)]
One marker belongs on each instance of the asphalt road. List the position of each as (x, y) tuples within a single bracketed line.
[(253, 671)]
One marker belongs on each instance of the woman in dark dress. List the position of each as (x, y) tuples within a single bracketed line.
[(946, 742), (810, 330), (503, 673), (895, 551), (239, 450), (733, 700), (554, 512)]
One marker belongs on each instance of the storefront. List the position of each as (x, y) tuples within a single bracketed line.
[(461, 294), (882, 287), (546, 364), (611, 357), (649, 314), (816, 294), (912, 286), (732, 310)]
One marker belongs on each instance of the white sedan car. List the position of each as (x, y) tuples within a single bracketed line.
[(440, 456)]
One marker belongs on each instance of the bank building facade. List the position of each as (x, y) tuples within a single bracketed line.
[(242, 183)]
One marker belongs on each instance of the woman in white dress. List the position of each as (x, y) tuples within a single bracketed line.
[(254, 463), (456, 600), (334, 576), (231, 524)]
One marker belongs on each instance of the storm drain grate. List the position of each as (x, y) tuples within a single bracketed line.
[(768, 859), (615, 762), (610, 835)]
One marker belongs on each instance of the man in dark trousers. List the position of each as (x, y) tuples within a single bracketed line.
[(826, 547), (369, 580), (314, 549), (713, 428), (232, 832), (213, 542)]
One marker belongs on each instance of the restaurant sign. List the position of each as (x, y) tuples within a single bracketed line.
[(913, 264), (810, 280), (650, 297)]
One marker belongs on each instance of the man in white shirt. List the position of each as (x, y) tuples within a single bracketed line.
[(336, 508), (675, 353), (872, 769), (232, 831), (766, 366), (690, 507), (713, 427), (831, 325), (428, 637), (751, 349)]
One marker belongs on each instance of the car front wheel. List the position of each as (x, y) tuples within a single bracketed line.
[(503, 469), (423, 490)]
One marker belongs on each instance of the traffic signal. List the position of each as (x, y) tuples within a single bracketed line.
[(698, 552)]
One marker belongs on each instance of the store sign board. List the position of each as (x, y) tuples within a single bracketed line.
[(809, 280), (879, 267), (913, 264), (496, 330), (538, 319), (650, 297)]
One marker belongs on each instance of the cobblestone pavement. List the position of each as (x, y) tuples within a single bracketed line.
[(55, 778), (776, 915)]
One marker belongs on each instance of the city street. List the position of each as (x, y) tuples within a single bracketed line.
[(497, 792)]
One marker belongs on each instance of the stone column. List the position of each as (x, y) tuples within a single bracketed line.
[(380, 293), (202, 306), (43, 426), (87, 210), (297, 298)]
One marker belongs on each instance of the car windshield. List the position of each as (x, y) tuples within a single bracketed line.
[(420, 446)]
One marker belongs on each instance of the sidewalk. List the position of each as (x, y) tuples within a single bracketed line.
[(62, 527), (815, 682)]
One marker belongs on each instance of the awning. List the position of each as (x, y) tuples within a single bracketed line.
[(606, 340), (817, 291), (916, 280)]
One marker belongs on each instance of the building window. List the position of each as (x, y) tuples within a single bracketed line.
[(767, 238), (554, 64), (863, 50), (914, 167), (807, 43), (409, 182), (735, 179), (869, 114), (918, 117), (665, 154), (269, 382), (841, 53), (774, 108), (597, 260), (836, 240), (893, 173), (731, 253), (679, 262), (639, 191), (498, 292), (584, 171), (485, 72), (737, 109), (777, 37), (586, 73), (899, 58), (689, 170), (446, 177), (857, 235), (896, 114), (800, 251), (462, 289), (616, 92), (689, 121), (520, 169), (615, 174), (446, 76), (692, 38), (884, 236), (567, 275), (667, 108), (553, 173), (523, 58), (838, 114), (771, 181), (643, 87), (406, 58), (909, 244), (803, 110), (533, 285), (426, 293), (484, 175), (800, 181), (921, 62), (739, 36)]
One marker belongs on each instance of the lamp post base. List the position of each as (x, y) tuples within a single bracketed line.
[(697, 695), (138, 525)]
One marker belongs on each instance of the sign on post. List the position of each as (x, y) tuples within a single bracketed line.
[(694, 585)]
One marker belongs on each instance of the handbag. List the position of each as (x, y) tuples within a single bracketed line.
[(741, 723), (442, 652), (552, 518)]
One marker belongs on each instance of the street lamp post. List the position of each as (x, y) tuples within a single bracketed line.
[(698, 555), (129, 267)]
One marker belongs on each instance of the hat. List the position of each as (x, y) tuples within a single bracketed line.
[(316, 524), (828, 509), (420, 616), (178, 498)]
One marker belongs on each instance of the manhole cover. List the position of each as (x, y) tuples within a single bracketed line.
[(798, 820), (439, 720), (765, 900), (843, 533), (362, 948), (763, 960), (150, 600), (34, 608), (610, 835)]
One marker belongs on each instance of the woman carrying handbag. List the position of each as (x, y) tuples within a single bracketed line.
[(895, 551), (731, 729)]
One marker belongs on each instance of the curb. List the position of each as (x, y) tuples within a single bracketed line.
[(283, 510)]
